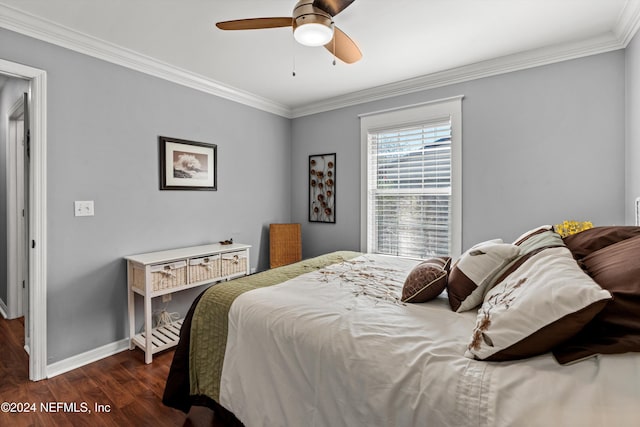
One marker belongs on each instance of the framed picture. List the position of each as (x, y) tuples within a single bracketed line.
[(187, 165), (322, 188)]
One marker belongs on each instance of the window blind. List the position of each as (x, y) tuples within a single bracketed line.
[(409, 189)]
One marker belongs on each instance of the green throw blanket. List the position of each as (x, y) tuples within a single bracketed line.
[(210, 319)]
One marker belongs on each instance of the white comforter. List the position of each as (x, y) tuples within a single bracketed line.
[(336, 348)]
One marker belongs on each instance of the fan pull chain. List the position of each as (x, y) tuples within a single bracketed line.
[(293, 49), (334, 48)]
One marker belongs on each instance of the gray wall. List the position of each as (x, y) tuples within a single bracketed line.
[(539, 146), (633, 128), (103, 125), (9, 94)]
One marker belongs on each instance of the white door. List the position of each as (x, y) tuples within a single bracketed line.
[(17, 214), (25, 223), (16, 239)]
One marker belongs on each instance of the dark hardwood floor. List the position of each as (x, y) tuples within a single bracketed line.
[(128, 390)]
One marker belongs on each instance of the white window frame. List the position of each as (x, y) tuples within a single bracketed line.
[(408, 115)]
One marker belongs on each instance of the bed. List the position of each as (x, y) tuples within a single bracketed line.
[(340, 340)]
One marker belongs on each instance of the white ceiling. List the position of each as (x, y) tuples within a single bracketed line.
[(419, 43)]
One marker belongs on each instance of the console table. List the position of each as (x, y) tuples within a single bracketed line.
[(154, 274)]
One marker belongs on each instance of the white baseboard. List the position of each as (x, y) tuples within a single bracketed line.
[(90, 356), (4, 309)]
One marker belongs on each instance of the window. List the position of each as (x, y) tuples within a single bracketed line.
[(411, 180)]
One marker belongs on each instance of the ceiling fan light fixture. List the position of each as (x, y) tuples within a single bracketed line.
[(312, 25), (313, 34)]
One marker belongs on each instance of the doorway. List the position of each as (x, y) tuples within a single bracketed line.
[(34, 301)]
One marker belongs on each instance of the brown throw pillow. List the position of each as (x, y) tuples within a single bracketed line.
[(616, 329), (426, 281), (588, 241)]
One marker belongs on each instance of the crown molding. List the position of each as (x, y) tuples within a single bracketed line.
[(488, 68), (628, 22), (21, 22), (621, 35), (50, 32)]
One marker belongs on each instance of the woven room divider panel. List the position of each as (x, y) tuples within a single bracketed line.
[(285, 244)]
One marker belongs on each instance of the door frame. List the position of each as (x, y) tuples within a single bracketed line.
[(38, 214)]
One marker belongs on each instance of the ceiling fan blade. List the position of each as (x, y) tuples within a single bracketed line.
[(346, 49), (332, 7), (255, 23)]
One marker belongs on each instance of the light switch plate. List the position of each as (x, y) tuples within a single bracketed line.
[(83, 208)]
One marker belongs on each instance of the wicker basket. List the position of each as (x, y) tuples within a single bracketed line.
[(163, 276), (234, 263), (204, 269), (285, 244)]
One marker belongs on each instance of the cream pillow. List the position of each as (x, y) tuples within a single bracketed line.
[(545, 301), (532, 233)]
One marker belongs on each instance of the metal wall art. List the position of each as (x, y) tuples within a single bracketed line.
[(322, 188)]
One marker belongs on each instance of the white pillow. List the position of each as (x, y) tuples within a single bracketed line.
[(476, 271)]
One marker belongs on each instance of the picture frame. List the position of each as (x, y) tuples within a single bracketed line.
[(187, 165), (322, 188)]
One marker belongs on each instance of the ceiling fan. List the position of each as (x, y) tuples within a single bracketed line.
[(312, 23)]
